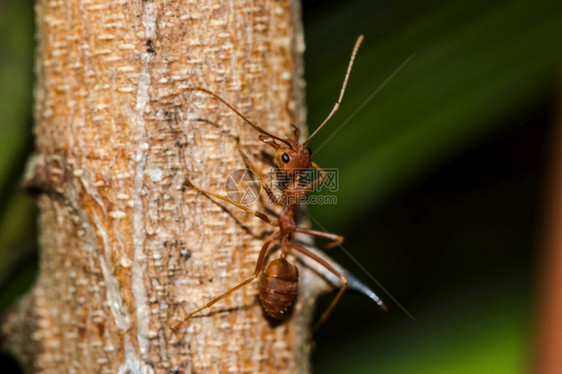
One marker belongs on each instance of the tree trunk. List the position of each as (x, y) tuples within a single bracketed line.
[(126, 249)]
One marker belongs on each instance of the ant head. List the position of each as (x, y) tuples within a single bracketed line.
[(292, 158)]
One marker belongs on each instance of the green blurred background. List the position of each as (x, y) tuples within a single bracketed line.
[(441, 176), (18, 259)]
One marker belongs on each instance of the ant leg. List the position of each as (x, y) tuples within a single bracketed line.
[(264, 217), (344, 281), (252, 167), (257, 270), (309, 187), (246, 160), (337, 239)]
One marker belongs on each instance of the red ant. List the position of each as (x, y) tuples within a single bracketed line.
[(278, 283)]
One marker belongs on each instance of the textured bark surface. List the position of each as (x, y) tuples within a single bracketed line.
[(126, 249)]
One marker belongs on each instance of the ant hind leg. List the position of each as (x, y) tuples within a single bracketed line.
[(257, 270), (342, 277)]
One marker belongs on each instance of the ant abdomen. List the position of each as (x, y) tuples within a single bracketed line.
[(278, 285)]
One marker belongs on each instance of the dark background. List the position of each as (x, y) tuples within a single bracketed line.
[(442, 174), (442, 177)]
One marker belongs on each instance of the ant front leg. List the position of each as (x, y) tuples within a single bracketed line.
[(264, 217), (342, 277), (270, 194), (312, 185), (257, 270)]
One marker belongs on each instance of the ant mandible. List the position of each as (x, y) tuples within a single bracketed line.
[(278, 283)]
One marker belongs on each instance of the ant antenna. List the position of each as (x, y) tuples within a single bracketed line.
[(357, 44), (239, 114)]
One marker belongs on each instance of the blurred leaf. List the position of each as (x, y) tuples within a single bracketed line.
[(479, 332), (16, 75), (479, 69), (476, 67), (17, 212)]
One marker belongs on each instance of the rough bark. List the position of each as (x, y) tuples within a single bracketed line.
[(126, 249)]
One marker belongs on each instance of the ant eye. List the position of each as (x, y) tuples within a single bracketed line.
[(309, 151), (285, 157)]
